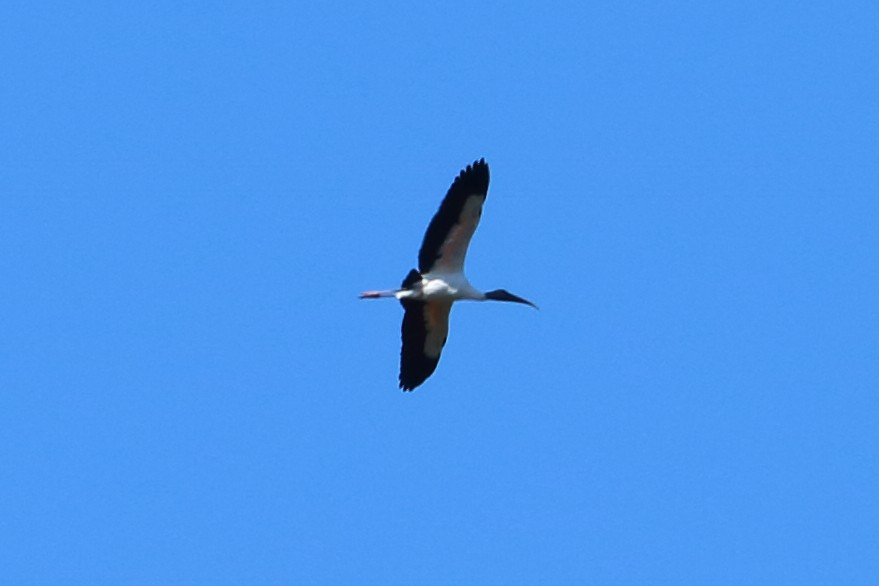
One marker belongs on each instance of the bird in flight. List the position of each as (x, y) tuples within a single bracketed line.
[(427, 294)]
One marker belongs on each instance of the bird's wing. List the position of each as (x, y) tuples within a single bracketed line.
[(448, 234), (425, 331)]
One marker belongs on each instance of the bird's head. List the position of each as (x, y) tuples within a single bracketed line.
[(504, 295)]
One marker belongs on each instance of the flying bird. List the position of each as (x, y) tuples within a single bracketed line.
[(427, 294)]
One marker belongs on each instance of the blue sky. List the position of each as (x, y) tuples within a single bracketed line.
[(194, 194)]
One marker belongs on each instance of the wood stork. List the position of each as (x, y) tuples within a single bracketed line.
[(427, 294)]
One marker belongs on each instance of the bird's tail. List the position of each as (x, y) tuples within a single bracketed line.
[(411, 279)]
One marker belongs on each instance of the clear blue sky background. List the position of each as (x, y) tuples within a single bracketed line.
[(193, 194)]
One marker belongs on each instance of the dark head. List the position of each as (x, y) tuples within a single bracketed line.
[(504, 295)]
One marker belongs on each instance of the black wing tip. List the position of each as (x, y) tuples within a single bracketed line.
[(410, 383), (477, 164), (475, 176), (415, 373), (415, 368)]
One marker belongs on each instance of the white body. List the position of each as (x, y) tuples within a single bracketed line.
[(442, 286)]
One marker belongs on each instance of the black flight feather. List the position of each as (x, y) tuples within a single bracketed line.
[(471, 181), (415, 366)]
